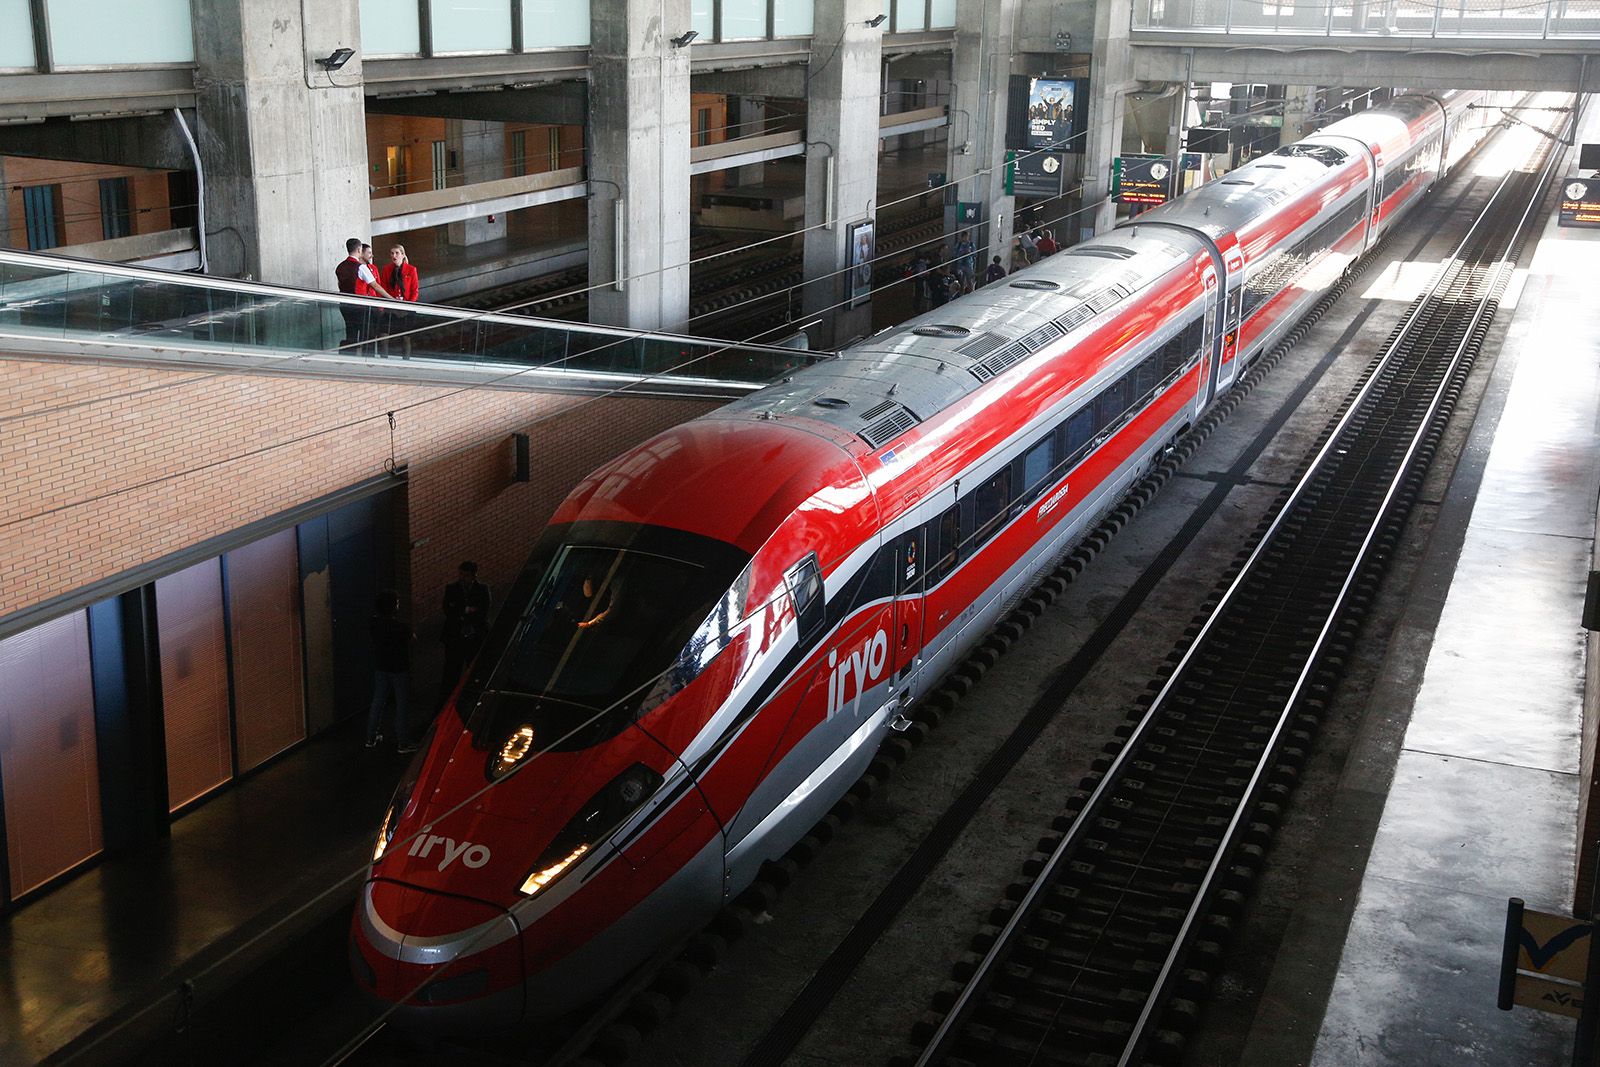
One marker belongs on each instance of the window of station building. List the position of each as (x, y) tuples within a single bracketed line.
[(744, 20), (16, 35), (703, 19), (519, 153), (470, 25), (941, 14), (116, 213), (702, 126), (119, 33), (194, 682), (793, 18), (555, 24), (441, 171), (910, 15), (554, 148), (390, 29), (41, 211), (49, 766)]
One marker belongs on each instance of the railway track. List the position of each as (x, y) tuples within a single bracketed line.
[(1102, 955)]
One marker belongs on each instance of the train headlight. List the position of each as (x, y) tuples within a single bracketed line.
[(402, 797), (512, 752), (595, 821)]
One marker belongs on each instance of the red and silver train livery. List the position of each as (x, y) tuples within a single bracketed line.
[(719, 626)]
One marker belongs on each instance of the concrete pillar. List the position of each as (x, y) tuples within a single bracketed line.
[(480, 149), (1299, 109), (842, 135), (981, 72), (283, 141), (5, 209), (1109, 84), (639, 159)]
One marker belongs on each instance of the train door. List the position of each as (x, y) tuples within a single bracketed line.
[(1228, 368), (913, 555), (1210, 354)]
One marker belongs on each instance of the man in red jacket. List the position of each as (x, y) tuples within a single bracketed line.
[(400, 278)]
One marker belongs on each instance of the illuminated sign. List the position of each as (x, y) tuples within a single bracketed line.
[(1142, 179), (1580, 202)]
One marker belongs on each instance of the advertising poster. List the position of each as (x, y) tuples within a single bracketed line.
[(863, 249), (1051, 103)]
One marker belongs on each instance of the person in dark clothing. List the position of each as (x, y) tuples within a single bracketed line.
[(939, 286), (348, 276), (995, 272), (391, 671), (466, 621)]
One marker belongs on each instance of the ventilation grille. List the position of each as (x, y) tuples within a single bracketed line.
[(1042, 336), (994, 365), (895, 419), (940, 329), (982, 345)]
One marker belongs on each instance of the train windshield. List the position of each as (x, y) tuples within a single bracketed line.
[(611, 632)]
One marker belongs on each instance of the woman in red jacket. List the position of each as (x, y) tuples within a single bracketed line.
[(400, 278)]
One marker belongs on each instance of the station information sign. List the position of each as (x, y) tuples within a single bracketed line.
[(1580, 202), (1142, 179)]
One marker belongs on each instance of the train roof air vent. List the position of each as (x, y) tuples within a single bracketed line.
[(1104, 252), (1036, 283), (893, 420), (1325, 154), (1236, 181), (1042, 336), (831, 402), (940, 329), (1270, 166), (995, 364), (982, 345)]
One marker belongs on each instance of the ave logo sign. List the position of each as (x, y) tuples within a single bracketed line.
[(861, 668)]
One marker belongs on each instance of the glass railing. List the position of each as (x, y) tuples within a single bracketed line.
[(55, 298), (1486, 19)]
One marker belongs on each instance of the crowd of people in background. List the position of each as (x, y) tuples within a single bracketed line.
[(358, 275), (939, 276)]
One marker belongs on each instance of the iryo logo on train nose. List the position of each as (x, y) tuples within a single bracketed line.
[(863, 666), (470, 855)]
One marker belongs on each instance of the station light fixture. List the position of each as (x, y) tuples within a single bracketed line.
[(340, 57), (684, 39), (877, 20)]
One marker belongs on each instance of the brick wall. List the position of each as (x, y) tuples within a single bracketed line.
[(104, 468)]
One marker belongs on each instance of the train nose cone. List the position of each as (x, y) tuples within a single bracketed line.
[(446, 963)]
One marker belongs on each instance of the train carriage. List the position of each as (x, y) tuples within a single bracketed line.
[(719, 627)]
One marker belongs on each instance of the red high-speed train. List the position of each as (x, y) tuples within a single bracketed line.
[(719, 627)]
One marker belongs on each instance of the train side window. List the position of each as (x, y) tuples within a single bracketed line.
[(1080, 429), (1113, 401), (1037, 464), (989, 503), (805, 586), (1149, 372), (879, 584)]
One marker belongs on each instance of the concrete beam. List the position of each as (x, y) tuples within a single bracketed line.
[(559, 104), (133, 141), (745, 152), (165, 249), (1361, 62), (786, 82), (440, 207), (94, 94)]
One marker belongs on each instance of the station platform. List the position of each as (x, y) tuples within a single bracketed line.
[(1462, 787), (538, 241), (97, 968)]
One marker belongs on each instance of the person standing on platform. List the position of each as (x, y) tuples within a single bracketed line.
[(1047, 244), (1030, 249), (995, 272), (466, 621), (966, 260), (401, 279), (391, 672)]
